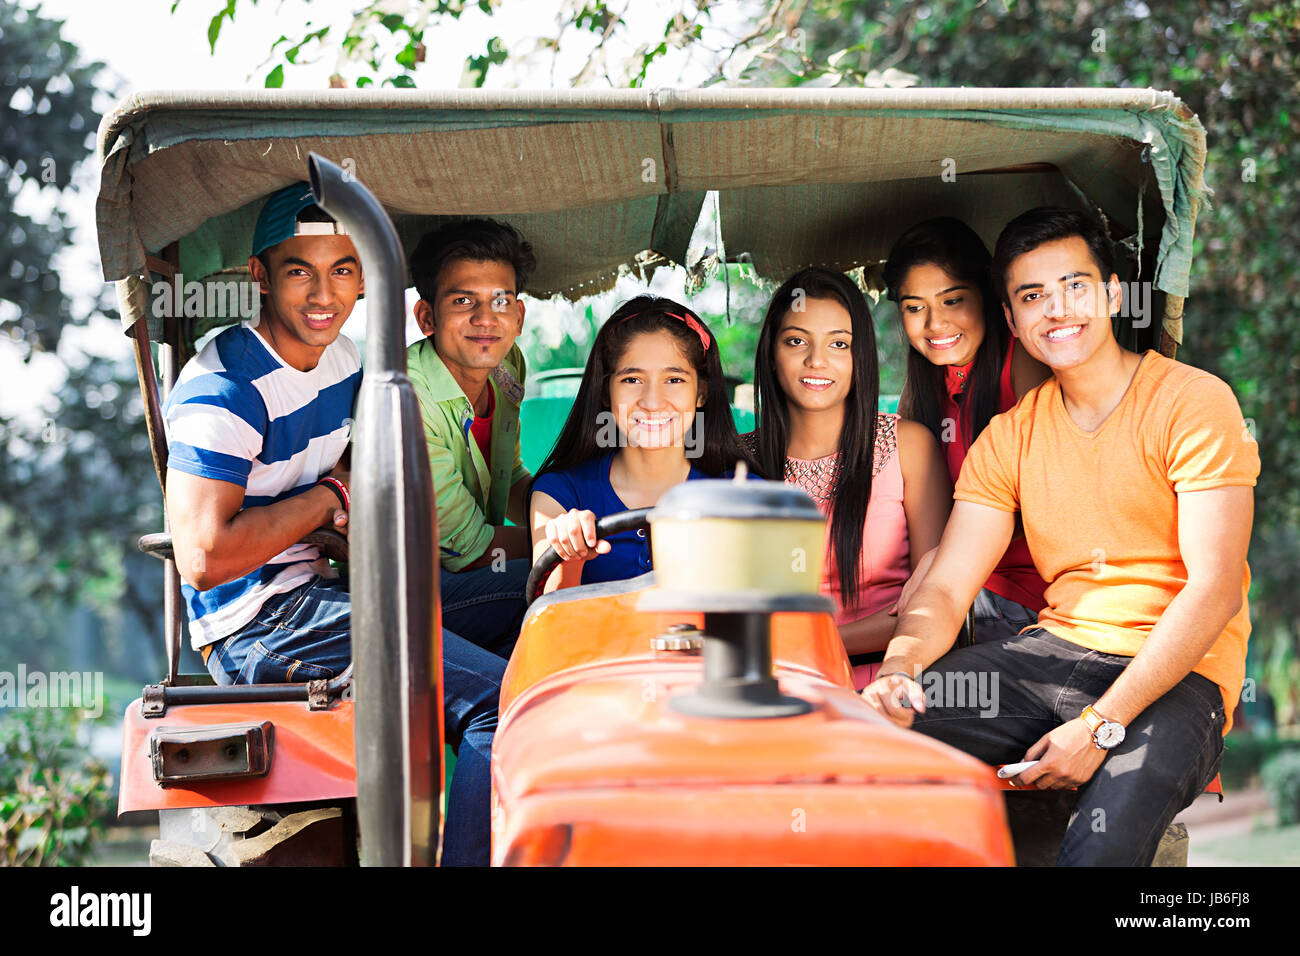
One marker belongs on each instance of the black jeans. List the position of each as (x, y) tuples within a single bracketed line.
[(1038, 681), (996, 617)]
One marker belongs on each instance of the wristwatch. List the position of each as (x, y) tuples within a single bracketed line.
[(1106, 734)]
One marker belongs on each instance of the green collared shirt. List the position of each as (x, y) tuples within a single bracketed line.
[(471, 498)]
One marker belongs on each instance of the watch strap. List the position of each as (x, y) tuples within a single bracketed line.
[(1092, 719)]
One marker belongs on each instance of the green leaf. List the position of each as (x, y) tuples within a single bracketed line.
[(393, 22), (404, 82), (214, 30), (364, 81), (407, 56), (275, 79)]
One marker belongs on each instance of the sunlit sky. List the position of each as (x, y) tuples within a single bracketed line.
[(150, 48)]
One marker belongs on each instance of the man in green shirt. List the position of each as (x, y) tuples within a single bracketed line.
[(468, 374)]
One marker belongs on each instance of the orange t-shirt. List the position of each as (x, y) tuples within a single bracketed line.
[(1100, 509)]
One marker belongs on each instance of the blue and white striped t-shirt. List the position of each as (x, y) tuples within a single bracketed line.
[(239, 413)]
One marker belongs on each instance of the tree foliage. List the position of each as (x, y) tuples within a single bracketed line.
[(383, 42), (79, 491), (76, 486), (54, 797), (48, 128)]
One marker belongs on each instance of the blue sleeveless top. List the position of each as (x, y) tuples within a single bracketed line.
[(587, 488)]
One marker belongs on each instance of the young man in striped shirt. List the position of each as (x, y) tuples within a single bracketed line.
[(257, 427)]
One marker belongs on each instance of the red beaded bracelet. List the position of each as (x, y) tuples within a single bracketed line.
[(340, 489)]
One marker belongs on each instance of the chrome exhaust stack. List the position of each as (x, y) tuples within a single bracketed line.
[(396, 616)]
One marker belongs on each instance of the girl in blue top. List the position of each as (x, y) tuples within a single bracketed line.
[(651, 412)]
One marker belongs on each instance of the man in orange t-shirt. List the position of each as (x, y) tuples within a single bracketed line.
[(1133, 477)]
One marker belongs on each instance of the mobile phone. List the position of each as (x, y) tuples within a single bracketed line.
[(1012, 769)]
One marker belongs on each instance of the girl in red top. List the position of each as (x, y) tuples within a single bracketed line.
[(964, 367)]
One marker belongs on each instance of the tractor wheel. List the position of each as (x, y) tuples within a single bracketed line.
[(292, 834)]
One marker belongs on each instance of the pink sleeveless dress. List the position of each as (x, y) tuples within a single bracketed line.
[(886, 556)]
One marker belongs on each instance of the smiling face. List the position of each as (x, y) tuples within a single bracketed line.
[(1060, 307), (813, 355), (943, 316), (654, 391), (476, 315), (311, 284)]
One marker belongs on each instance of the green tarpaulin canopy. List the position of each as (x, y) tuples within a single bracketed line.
[(595, 178)]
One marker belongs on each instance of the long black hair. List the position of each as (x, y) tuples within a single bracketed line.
[(852, 487), (955, 248), (579, 440)]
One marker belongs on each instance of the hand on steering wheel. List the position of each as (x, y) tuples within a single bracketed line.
[(550, 559), (573, 536)]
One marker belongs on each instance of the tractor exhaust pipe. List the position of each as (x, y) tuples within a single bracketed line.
[(396, 614)]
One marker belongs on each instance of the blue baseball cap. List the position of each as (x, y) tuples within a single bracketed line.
[(278, 220)]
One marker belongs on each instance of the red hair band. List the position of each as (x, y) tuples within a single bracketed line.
[(692, 322)]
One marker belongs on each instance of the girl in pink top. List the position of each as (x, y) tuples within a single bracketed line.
[(880, 481), (963, 368)]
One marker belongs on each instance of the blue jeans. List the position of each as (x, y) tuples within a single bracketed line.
[(1170, 754), (305, 634), (486, 606)]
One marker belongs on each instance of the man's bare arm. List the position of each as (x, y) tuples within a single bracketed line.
[(214, 541), (972, 544), (1213, 537)]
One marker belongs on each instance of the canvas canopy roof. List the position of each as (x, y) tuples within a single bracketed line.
[(594, 178)]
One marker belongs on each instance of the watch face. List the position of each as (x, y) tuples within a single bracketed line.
[(1109, 735)]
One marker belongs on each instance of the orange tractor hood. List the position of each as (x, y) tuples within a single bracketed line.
[(593, 766), (612, 726)]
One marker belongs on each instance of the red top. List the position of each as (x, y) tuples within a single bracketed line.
[(1015, 577), (481, 429)]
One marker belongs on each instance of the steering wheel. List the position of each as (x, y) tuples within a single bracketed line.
[(606, 526)]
